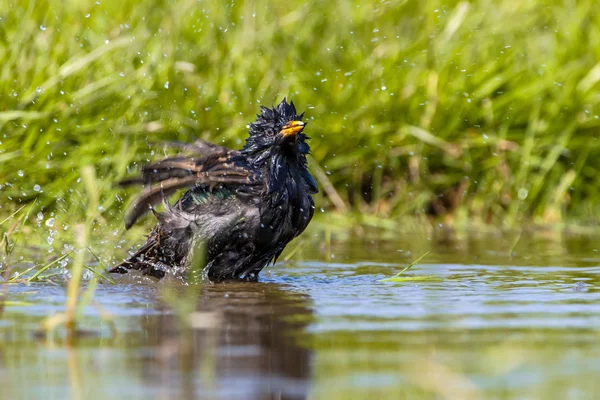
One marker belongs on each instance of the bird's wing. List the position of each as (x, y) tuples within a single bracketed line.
[(198, 147), (213, 169)]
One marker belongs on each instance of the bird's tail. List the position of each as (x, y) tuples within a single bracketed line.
[(146, 259)]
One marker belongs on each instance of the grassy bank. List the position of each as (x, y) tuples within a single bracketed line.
[(482, 111)]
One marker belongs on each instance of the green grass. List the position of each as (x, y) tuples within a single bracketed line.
[(482, 112), (77, 298), (399, 277)]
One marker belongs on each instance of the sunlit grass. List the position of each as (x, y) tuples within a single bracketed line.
[(10, 303), (399, 277), (77, 298), (484, 112), (37, 271)]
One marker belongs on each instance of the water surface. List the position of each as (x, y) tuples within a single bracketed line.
[(510, 316)]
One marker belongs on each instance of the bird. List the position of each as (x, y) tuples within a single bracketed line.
[(242, 207)]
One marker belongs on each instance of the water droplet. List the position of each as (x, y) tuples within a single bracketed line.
[(37, 188), (20, 173), (121, 74), (42, 27), (87, 15), (38, 89), (523, 193), (50, 222), (167, 85)]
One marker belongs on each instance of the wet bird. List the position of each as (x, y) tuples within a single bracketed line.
[(242, 207)]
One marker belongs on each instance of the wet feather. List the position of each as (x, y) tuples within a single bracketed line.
[(245, 206)]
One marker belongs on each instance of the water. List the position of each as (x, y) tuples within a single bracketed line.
[(509, 317)]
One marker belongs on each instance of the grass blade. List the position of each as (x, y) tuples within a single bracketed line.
[(45, 267), (13, 214), (397, 277)]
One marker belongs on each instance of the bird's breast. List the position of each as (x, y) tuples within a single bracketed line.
[(285, 213)]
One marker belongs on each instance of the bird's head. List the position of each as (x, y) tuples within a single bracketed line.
[(277, 144), (278, 130)]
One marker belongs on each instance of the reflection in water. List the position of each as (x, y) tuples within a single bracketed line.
[(242, 335), (240, 342)]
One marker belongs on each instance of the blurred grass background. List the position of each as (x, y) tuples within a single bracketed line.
[(483, 112)]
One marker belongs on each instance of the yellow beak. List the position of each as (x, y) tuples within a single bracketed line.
[(292, 128)]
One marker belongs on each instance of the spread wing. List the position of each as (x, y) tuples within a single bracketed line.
[(210, 166)]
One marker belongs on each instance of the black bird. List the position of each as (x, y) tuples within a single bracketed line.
[(244, 206)]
